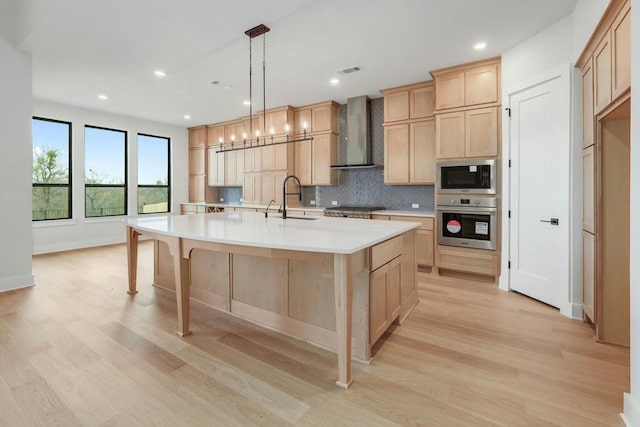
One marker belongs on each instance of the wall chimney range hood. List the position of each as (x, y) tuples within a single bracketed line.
[(358, 150)]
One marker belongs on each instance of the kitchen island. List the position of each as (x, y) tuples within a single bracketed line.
[(337, 283)]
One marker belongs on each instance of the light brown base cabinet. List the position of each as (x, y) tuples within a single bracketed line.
[(474, 261), (424, 236), (294, 293)]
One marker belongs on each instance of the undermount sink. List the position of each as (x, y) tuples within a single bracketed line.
[(308, 218)]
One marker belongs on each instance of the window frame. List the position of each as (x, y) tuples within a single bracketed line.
[(168, 186), (69, 184), (126, 173)]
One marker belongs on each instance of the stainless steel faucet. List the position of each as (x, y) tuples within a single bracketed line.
[(285, 194)]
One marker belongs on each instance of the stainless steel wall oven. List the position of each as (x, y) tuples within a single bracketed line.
[(467, 222)]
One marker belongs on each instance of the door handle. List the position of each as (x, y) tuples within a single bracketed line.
[(552, 221)]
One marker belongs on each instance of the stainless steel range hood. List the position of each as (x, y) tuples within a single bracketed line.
[(358, 140)]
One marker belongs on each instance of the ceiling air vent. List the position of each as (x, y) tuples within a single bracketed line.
[(348, 70)]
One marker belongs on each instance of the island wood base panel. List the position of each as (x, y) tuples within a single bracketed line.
[(295, 295)]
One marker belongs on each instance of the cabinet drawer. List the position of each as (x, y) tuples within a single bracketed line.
[(385, 252), (468, 260), (427, 223)]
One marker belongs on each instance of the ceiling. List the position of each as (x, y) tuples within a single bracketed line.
[(81, 48)]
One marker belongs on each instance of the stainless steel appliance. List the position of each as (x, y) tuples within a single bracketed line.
[(351, 211), (467, 176), (469, 222)]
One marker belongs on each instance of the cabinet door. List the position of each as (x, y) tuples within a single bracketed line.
[(450, 90), (396, 154), (481, 85), (588, 189), (230, 162), (424, 247), (281, 155), (481, 132), (325, 153), (450, 135), (278, 181), (394, 278), (239, 167), (321, 120), (249, 160), (301, 117), (621, 50), (588, 275), (378, 303), (267, 156), (215, 135), (251, 188), (197, 137), (303, 161), (588, 123), (421, 102), (422, 152), (277, 121), (212, 173), (196, 188), (267, 188), (196, 161), (602, 74), (396, 106)]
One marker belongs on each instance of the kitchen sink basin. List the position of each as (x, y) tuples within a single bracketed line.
[(307, 218)]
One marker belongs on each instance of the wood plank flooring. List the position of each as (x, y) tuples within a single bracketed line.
[(77, 350)]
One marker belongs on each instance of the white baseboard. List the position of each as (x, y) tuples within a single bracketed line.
[(13, 283), (572, 310), (69, 246), (631, 414)]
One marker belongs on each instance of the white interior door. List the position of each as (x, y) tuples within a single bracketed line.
[(539, 143)]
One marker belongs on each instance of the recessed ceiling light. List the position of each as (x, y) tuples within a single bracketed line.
[(187, 117), (480, 45), (103, 97), (247, 103), (334, 81), (159, 73)]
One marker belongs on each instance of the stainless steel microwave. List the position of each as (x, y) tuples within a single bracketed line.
[(467, 177)]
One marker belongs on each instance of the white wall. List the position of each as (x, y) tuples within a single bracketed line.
[(50, 236), (539, 58), (631, 413), (15, 168), (586, 15)]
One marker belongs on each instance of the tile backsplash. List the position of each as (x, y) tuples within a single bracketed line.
[(364, 187)]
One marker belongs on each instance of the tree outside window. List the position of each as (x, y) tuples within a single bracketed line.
[(51, 175)]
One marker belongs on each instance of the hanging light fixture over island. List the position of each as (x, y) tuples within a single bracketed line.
[(250, 143)]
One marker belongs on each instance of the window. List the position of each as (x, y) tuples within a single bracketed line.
[(51, 175), (153, 174), (105, 172)]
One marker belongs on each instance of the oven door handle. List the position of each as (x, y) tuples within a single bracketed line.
[(469, 210)]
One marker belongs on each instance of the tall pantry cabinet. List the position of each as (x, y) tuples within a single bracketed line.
[(606, 99)]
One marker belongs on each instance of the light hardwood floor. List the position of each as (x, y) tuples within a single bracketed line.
[(77, 350)]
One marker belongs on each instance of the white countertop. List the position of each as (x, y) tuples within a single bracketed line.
[(321, 234), (419, 213)]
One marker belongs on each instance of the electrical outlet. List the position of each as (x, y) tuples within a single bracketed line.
[(415, 205), (312, 202), (334, 203), (222, 199)]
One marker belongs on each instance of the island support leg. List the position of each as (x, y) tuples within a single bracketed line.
[(132, 259), (181, 274), (344, 312)]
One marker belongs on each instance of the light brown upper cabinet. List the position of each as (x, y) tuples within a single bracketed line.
[(197, 137), (313, 159), (621, 51), (415, 101), (409, 153), (468, 85), (588, 122), (321, 117), (471, 133), (602, 74), (612, 61)]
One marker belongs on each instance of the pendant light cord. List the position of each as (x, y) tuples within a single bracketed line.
[(250, 95), (264, 85)]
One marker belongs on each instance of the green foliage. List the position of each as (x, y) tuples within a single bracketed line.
[(49, 202)]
